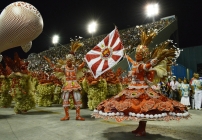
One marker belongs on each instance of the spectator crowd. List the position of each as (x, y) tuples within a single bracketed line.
[(188, 92)]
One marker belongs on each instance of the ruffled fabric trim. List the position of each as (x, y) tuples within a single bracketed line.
[(119, 116)]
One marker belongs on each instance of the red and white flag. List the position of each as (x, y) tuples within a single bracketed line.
[(105, 54)]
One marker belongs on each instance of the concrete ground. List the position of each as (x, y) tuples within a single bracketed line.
[(43, 123)]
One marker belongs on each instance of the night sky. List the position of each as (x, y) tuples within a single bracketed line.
[(69, 18)]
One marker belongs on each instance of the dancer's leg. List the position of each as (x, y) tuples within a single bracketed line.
[(140, 131), (66, 117)]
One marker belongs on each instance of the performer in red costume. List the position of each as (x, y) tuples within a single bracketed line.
[(71, 87), (139, 101)]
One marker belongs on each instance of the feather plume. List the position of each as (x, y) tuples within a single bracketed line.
[(166, 54), (146, 38), (75, 44), (165, 51)]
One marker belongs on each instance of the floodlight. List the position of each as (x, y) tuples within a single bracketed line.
[(55, 39)]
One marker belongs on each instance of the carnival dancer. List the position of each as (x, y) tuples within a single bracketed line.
[(71, 88), (197, 88), (185, 91), (139, 102)]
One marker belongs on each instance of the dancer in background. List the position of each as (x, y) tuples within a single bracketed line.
[(185, 92), (197, 88)]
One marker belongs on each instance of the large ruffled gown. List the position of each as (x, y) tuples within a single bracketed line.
[(139, 102)]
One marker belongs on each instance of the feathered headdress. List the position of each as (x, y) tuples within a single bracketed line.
[(74, 46), (146, 39)]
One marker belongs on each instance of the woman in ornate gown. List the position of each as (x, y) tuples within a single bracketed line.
[(139, 102)]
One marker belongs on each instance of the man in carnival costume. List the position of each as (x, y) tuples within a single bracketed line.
[(71, 86)]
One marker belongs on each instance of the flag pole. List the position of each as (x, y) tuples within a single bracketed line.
[(127, 60), (124, 53)]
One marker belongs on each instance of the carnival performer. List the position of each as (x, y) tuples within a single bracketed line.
[(139, 102), (71, 88), (185, 91), (197, 88)]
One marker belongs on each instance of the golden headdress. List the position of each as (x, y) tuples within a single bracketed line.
[(146, 39)]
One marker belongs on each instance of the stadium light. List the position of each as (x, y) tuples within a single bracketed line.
[(55, 39), (92, 27), (152, 10)]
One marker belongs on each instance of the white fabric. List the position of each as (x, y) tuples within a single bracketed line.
[(185, 100), (76, 96), (198, 98), (65, 96), (197, 83), (174, 85), (160, 69)]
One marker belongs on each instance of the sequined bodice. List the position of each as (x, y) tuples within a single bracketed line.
[(70, 73)]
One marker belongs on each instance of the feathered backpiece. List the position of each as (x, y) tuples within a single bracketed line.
[(166, 53)]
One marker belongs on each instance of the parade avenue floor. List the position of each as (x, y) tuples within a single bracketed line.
[(43, 123)]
